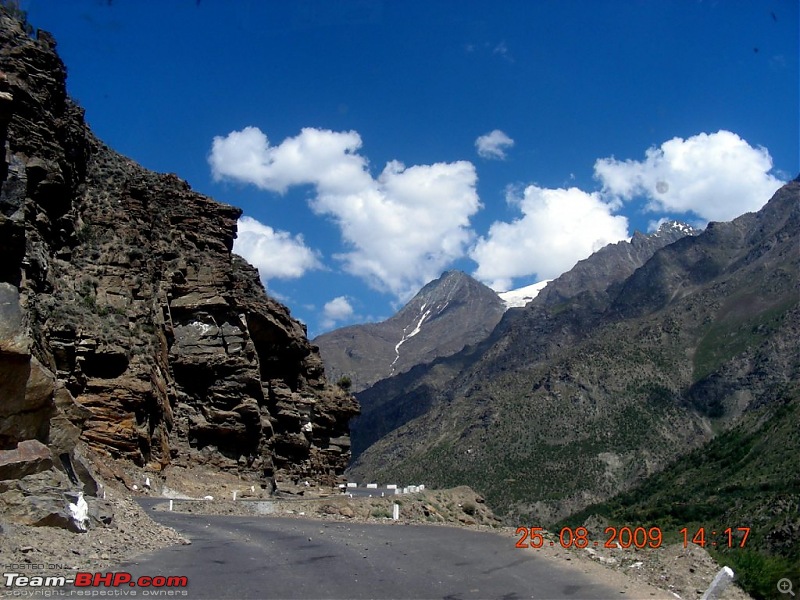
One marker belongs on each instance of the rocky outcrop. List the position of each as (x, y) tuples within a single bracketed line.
[(127, 327)]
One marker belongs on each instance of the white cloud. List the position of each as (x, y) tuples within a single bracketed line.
[(402, 229), (493, 145), (276, 254), (717, 176), (336, 310), (558, 227), (314, 156)]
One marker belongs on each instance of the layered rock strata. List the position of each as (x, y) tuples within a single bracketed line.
[(128, 329)]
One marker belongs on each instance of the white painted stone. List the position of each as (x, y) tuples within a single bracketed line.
[(721, 581), (372, 486), (80, 512)]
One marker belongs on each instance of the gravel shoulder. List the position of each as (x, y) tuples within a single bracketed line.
[(667, 572)]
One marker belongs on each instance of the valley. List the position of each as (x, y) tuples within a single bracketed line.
[(615, 371)]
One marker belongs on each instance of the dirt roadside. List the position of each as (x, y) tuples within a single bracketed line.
[(667, 572)]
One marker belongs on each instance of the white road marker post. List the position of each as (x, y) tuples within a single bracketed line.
[(170, 506), (395, 511), (721, 581)]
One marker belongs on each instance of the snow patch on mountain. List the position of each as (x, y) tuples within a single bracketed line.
[(521, 296), (414, 332)]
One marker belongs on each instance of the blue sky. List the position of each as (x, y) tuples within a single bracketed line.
[(373, 144)]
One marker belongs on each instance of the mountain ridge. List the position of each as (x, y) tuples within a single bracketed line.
[(394, 401), (607, 384), (447, 313)]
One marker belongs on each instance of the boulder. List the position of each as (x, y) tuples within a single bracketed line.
[(30, 456)]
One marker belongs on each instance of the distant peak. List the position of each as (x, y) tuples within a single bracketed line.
[(453, 275), (447, 279), (677, 227)]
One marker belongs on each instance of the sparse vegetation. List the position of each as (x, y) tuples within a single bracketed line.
[(86, 234), (727, 338), (380, 512), (746, 477)]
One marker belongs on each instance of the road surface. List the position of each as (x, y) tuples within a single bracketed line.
[(274, 557)]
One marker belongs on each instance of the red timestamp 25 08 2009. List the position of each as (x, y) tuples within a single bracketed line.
[(638, 537)]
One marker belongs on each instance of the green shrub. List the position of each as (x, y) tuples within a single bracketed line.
[(758, 573)]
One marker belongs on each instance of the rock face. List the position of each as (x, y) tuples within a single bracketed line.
[(446, 314), (127, 327)]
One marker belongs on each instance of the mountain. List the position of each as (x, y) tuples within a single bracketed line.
[(392, 402), (596, 385), (445, 315), (128, 329)]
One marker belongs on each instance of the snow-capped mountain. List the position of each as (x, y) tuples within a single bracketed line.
[(445, 315), (591, 284)]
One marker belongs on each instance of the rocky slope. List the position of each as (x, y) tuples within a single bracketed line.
[(127, 328), (587, 391), (447, 314), (394, 401)]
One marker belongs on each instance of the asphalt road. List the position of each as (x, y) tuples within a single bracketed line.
[(273, 557)]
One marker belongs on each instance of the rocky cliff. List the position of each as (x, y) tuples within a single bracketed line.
[(127, 327)]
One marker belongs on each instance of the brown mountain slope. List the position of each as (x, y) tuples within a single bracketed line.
[(394, 401), (575, 400), (445, 315)]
